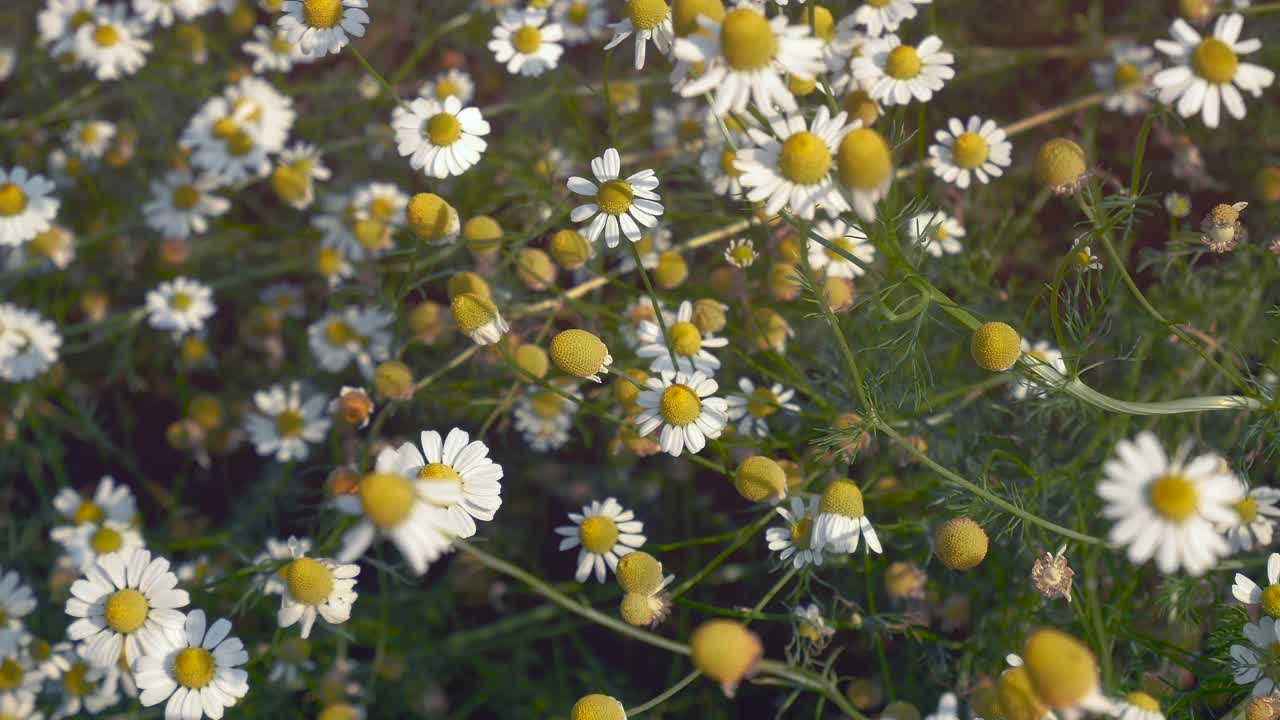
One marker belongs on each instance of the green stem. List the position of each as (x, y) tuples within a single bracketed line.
[(665, 695), (653, 298), (390, 90)]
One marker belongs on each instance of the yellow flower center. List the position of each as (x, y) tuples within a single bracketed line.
[(844, 243), (1214, 61), (372, 234), (598, 534), (1247, 509), (824, 24), (387, 499), (762, 403), (240, 143), (685, 338), (224, 128), (970, 150), (328, 261), (864, 160), (446, 87), (322, 13), (746, 39), (12, 200), (680, 405), (180, 301), (903, 63), (185, 197), (614, 197), (801, 531), (443, 129), (804, 159), (339, 333), (546, 404), (106, 35), (1083, 259), (578, 13), (46, 244), (439, 472), (1126, 75), (843, 497), (74, 681), (89, 134), (1142, 701), (309, 581), (10, 674), (341, 711), (472, 312), (290, 184), (125, 611), (647, 14), (290, 423), (527, 40), (193, 668), (1174, 497), (744, 255), (87, 512), (280, 45), (877, 3), (1271, 600), (727, 163), (105, 540)]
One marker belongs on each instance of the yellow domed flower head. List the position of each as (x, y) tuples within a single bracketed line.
[(1062, 670), (1015, 697), (784, 281), (900, 710), (570, 249), (726, 652), (467, 282), (960, 543), (839, 293), (672, 270), (533, 360), (684, 14), (206, 410), (709, 315), (354, 407), (793, 472), (393, 380), (478, 318), (535, 269), (1148, 704), (842, 521), (995, 346), (644, 610), (640, 572), (597, 707), (1061, 166), (432, 219), (627, 393), (758, 479), (483, 235), (580, 353), (861, 106), (427, 321), (864, 163)]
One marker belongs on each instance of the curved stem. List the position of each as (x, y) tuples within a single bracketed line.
[(665, 695)]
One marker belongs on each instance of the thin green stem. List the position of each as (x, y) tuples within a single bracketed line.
[(653, 298), (665, 695), (388, 87)]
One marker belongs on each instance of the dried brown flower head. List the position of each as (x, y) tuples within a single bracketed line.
[(1051, 575)]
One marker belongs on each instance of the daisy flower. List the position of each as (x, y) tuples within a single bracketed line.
[(86, 542), (85, 687), (19, 707), (53, 249), (28, 343), (1256, 518), (271, 582), (454, 474), (978, 148), (1042, 351), (741, 253), (1166, 508), (792, 167), (754, 405), (271, 50), (164, 12), (544, 418), (636, 314), (719, 164), (848, 238), (60, 19), (677, 125), (125, 602), (181, 305), (16, 602), (315, 586), (1138, 705), (581, 20), (442, 138), (687, 341), (605, 533), (1208, 71), (794, 541), (841, 521), (362, 224), (1126, 75), (321, 27), (181, 202), (298, 169), (26, 207), (881, 15), (896, 73), (291, 663), (937, 232), (683, 405), (355, 334), (747, 57), (21, 678), (621, 206), (195, 670), (1086, 260), (526, 42), (90, 138), (284, 423), (112, 44), (332, 266), (110, 501), (450, 83), (390, 504), (1254, 663), (648, 20), (231, 136)]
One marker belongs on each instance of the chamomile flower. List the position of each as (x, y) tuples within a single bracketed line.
[(361, 224), (752, 408), (291, 664), (272, 583), (544, 418), (1208, 71), (332, 266), (1041, 351), (647, 20), (392, 505), (110, 501), (26, 206), (794, 541), (1086, 260), (636, 314), (321, 27), (792, 167), (1126, 76), (897, 73), (747, 57), (677, 125), (719, 164), (864, 163), (1256, 518), (621, 206), (181, 204), (881, 15), (83, 544), (298, 169), (848, 238), (112, 43), (978, 148), (454, 474), (526, 43), (232, 135), (59, 20), (164, 12), (53, 249), (28, 343), (605, 532), (285, 423), (355, 334), (315, 586), (683, 404), (125, 602), (89, 138), (937, 232), (271, 50), (1254, 663), (16, 602), (582, 21), (841, 521), (1167, 508), (450, 83), (196, 670), (85, 687), (741, 253), (21, 678), (19, 707), (441, 139), (181, 306), (687, 341)]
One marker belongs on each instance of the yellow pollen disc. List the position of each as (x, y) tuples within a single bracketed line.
[(309, 581), (680, 405), (322, 13), (598, 534), (1142, 700), (1214, 61), (106, 35), (685, 338), (1247, 509), (527, 40), (578, 352), (801, 531), (180, 301), (1062, 670), (578, 13), (1174, 497), (614, 197), (88, 134), (877, 3), (447, 88), (438, 472), (240, 144), (87, 512), (903, 63), (546, 404), (46, 244), (224, 128), (804, 159), (290, 184), (289, 423), (597, 707), (727, 163), (746, 39), (970, 150), (762, 403), (74, 682), (1271, 600), (647, 14), (472, 312), (443, 129), (125, 611), (10, 674), (387, 499), (105, 540), (372, 234), (864, 160), (12, 200), (1083, 259), (193, 667), (1126, 74), (328, 261), (995, 346), (185, 197), (842, 497), (844, 243), (824, 24), (339, 333), (280, 45)]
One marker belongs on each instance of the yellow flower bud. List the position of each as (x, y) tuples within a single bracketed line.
[(684, 14), (580, 353), (672, 270), (900, 710), (532, 359), (960, 543), (427, 321), (725, 651), (784, 283), (570, 249), (1268, 183), (535, 269), (431, 218), (709, 315), (394, 380), (1062, 670), (467, 282), (1016, 699), (626, 393), (864, 693), (483, 235), (597, 707), (206, 410), (355, 407), (995, 346), (1061, 166), (758, 479), (864, 160), (639, 572)]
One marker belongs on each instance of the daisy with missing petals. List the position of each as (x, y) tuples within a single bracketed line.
[(321, 27), (741, 253), (621, 206), (315, 586), (1166, 508), (747, 57), (793, 541), (16, 602), (1207, 71), (454, 474), (450, 83), (271, 50), (285, 424), (1255, 663), (125, 602), (355, 334), (28, 343), (298, 169), (847, 238), (181, 306), (111, 44), (605, 532), (84, 687), (752, 408), (687, 341), (110, 501), (1042, 352), (443, 138), (792, 167), (526, 42), (1255, 521), (937, 232), (683, 405), (392, 505), (26, 208), (581, 20), (181, 203), (841, 520), (195, 670), (648, 20), (896, 73), (881, 15), (978, 148), (1126, 75)]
